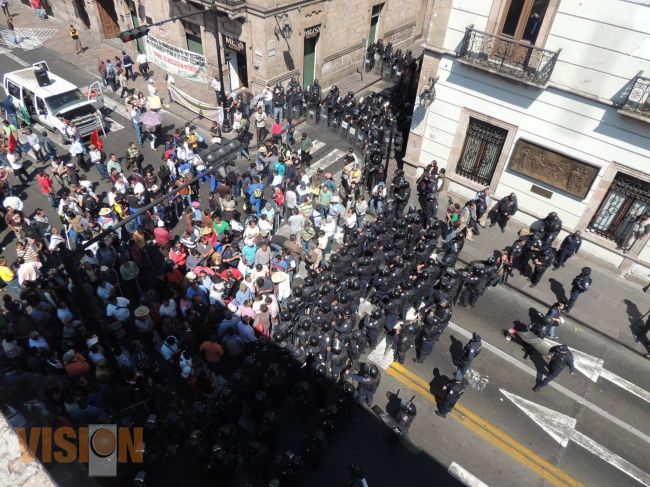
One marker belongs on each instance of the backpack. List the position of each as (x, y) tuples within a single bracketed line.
[(257, 193)]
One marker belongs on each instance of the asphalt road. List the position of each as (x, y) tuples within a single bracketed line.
[(488, 434)]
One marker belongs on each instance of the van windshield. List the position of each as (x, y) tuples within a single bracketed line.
[(60, 102)]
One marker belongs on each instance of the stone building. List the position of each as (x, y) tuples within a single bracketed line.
[(263, 41), (548, 99)]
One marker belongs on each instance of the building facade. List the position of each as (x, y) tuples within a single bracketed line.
[(263, 41), (547, 99)]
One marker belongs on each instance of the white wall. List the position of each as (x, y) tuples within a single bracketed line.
[(586, 130), (604, 43)]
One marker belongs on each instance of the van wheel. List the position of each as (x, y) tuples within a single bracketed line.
[(61, 139)]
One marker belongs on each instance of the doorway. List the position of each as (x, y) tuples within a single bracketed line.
[(309, 61), (233, 69), (82, 13), (108, 18)]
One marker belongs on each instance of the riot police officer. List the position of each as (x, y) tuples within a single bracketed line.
[(570, 246), (579, 285), (506, 208), (405, 341), (367, 383), (373, 326), (470, 352), (452, 392), (430, 333), (560, 356)]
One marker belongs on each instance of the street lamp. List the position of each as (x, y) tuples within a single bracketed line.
[(285, 30), (226, 126)]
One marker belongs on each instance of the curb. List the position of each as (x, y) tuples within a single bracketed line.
[(572, 317)]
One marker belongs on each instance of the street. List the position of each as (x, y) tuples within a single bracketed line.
[(501, 432)]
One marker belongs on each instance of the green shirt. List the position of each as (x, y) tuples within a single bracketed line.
[(221, 227), (305, 144), (325, 197)]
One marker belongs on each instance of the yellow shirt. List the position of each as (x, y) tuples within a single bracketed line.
[(6, 274)]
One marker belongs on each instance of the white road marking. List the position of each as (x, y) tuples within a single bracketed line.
[(593, 368), (464, 476), (15, 58), (114, 126), (29, 38), (562, 429), (560, 388), (380, 356), (116, 107), (327, 160), (316, 145)]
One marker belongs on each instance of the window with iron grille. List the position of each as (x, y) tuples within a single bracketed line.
[(481, 152), (627, 198)]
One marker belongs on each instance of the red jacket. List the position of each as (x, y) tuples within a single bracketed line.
[(46, 184)]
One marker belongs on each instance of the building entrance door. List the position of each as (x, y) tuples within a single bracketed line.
[(108, 18)]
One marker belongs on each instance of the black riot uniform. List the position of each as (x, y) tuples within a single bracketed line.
[(475, 285), (452, 392), (506, 208), (373, 326), (470, 352), (338, 359), (368, 381), (561, 356), (570, 246), (402, 193), (405, 341), (430, 333)]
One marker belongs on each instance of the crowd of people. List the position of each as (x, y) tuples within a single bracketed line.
[(212, 313)]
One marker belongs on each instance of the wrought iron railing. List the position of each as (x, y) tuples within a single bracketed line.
[(627, 198), (638, 99), (507, 57)]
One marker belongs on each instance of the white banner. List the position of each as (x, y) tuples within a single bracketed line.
[(176, 61)]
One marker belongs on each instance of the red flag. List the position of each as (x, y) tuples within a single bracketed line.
[(11, 147), (95, 140)]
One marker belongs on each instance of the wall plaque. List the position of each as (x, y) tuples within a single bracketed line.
[(555, 169)]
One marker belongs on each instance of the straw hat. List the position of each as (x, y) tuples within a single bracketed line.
[(279, 277), (104, 211), (141, 311)]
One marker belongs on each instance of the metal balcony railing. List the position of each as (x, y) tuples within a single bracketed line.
[(638, 99), (507, 57)]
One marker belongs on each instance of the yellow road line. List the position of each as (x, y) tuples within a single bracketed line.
[(488, 431)]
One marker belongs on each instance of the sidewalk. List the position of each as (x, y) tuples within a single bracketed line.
[(610, 307)]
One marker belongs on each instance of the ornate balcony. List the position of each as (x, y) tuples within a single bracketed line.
[(637, 102), (506, 57)]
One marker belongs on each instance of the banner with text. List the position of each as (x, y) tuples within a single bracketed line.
[(176, 61)]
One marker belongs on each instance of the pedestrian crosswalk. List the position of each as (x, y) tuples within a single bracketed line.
[(28, 38), (327, 160)]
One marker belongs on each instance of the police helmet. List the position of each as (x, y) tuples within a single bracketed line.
[(373, 371)]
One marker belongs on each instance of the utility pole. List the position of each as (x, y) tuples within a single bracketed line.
[(225, 126)]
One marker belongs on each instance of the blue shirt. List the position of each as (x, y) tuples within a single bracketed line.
[(246, 332), (242, 296), (251, 192), (200, 290), (249, 252)]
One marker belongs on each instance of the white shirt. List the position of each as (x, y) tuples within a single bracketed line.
[(151, 88), (216, 84), (328, 227), (95, 156), (135, 116), (14, 161), (142, 58), (29, 271), (266, 227), (169, 310), (120, 310)]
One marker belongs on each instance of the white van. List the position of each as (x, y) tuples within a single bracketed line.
[(45, 98)]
